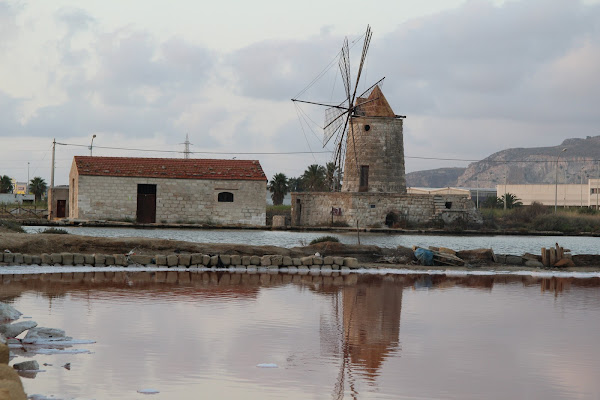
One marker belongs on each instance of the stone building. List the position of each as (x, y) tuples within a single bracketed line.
[(168, 190), (58, 202), (374, 184)]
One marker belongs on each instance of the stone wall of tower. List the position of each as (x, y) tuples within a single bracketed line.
[(376, 142)]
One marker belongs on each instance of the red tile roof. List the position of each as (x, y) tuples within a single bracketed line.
[(171, 168)]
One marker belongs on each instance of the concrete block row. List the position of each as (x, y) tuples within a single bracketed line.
[(177, 260)]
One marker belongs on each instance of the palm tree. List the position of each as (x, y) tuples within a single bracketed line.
[(278, 186), (511, 200), (295, 184), (314, 178), (6, 185), (38, 187)]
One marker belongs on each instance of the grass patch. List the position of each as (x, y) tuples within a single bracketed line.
[(322, 239), (11, 226), (279, 208), (56, 231)]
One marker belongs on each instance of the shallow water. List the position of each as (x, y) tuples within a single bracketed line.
[(196, 335), (516, 245)]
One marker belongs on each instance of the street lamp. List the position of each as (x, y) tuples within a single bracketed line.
[(556, 181), (92, 145)]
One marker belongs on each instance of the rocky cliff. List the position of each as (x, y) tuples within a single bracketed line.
[(523, 165), (434, 178)]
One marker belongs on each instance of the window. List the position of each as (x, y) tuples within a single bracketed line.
[(364, 178), (225, 197)]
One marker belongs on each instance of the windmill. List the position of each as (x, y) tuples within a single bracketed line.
[(338, 124)]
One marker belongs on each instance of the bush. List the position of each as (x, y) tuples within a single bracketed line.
[(56, 231), (567, 223), (11, 226), (587, 211), (324, 239)]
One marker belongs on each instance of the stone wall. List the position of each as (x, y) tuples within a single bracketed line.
[(381, 148), (375, 209), (55, 194), (177, 200)]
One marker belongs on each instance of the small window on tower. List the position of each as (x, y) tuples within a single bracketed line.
[(367, 128)]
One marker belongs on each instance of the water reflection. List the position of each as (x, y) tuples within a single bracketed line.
[(331, 335)]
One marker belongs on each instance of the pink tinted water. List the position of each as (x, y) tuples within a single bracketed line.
[(201, 335)]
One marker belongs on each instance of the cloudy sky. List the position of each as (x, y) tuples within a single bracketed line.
[(472, 76)]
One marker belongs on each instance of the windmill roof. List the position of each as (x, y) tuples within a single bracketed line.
[(376, 106), (173, 168)]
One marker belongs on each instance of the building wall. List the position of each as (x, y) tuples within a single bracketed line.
[(570, 195), (55, 194), (177, 200), (371, 209), (382, 149), (14, 198)]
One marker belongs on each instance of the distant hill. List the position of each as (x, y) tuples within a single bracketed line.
[(520, 166), (441, 177)]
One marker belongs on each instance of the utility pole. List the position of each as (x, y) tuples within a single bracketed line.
[(52, 169), (27, 187), (556, 182)]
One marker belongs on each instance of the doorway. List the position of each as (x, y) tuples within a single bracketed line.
[(61, 208), (146, 204)]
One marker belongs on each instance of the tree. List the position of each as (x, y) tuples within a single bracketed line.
[(38, 187), (6, 185), (492, 202), (511, 200), (295, 184), (278, 186), (314, 178)]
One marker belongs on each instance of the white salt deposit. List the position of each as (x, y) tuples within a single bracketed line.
[(148, 391), (267, 365)]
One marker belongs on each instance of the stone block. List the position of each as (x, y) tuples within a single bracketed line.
[(140, 259), (36, 260), (226, 260), (90, 259), (185, 260), (161, 260), (120, 259), (350, 262), (307, 260), (287, 261), (534, 264), (67, 258), (172, 260), (254, 260), (27, 259), (56, 258), (514, 260), (335, 267), (338, 260), (328, 260), (236, 260), (9, 258), (78, 259), (196, 259), (296, 261), (246, 260), (206, 260), (317, 260), (110, 260), (99, 260), (214, 260), (278, 221), (564, 263), (18, 258), (265, 261), (276, 260)]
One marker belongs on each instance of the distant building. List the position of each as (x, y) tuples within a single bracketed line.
[(564, 195), (168, 190), (15, 198)]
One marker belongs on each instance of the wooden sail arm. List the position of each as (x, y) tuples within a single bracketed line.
[(319, 104)]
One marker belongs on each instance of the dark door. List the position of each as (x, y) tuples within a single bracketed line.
[(61, 208), (146, 204)]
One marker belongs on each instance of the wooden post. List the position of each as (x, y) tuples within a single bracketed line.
[(544, 257), (552, 256)]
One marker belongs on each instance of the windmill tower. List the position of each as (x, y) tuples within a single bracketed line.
[(374, 159), (368, 137)]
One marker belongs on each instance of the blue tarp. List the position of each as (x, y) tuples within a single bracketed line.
[(424, 256)]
